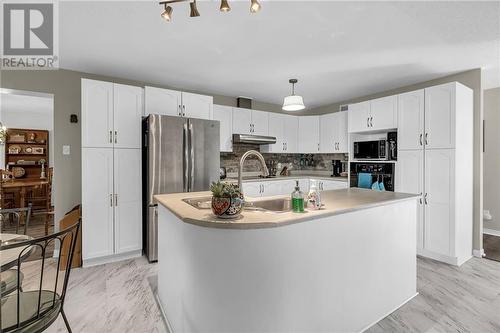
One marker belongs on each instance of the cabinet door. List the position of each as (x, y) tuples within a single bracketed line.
[(303, 184), (127, 200), (383, 113), (410, 179), (333, 185), (162, 101), (242, 120), (290, 133), (97, 114), (224, 114), (327, 131), (272, 188), (288, 186), (97, 202), (276, 129), (341, 136), (439, 188), (440, 116), (260, 121), (252, 189), (358, 115), (411, 120), (128, 109), (197, 106), (308, 134)]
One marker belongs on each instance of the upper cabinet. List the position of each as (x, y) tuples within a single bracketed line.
[(308, 134), (111, 115), (224, 114), (440, 116), (375, 115), (333, 133), (284, 127), (411, 120), (247, 121), (176, 103)]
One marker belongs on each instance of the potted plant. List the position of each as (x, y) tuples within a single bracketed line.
[(227, 200)]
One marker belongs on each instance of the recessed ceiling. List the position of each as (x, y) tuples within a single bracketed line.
[(337, 50)]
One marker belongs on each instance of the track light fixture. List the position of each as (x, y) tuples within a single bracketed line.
[(224, 7)]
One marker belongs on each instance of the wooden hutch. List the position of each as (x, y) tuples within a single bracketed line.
[(24, 150)]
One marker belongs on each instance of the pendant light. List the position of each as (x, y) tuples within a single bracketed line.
[(224, 6), (293, 102), (254, 6), (167, 13), (194, 10)]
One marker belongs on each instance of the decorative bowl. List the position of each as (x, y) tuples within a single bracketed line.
[(227, 207)]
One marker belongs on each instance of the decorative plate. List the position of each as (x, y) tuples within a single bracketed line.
[(18, 172)]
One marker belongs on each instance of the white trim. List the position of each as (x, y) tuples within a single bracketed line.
[(163, 313), (492, 232), (478, 253), (112, 258), (456, 261), (375, 322)]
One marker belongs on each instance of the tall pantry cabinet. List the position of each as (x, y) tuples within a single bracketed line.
[(435, 156), (111, 171)]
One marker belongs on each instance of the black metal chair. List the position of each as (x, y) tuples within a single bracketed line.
[(9, 278), (34, 311)]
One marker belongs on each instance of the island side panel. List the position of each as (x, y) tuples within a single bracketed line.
[(338, 273)]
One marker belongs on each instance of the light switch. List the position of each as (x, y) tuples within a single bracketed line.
[(66, 150)]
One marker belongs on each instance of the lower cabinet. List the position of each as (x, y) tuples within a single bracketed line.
[(111, 203), (284, 187)]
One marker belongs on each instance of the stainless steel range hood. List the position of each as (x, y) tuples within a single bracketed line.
[(255, 139)]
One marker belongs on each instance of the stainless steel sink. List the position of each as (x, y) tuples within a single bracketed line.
[(273, 205)]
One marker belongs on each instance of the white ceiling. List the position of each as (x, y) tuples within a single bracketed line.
[(337, 50)]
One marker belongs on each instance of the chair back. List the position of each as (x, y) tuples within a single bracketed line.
[(7, 214), (43, 306)]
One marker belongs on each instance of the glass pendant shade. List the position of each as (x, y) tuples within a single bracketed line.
[(224, 6), (293, 103)]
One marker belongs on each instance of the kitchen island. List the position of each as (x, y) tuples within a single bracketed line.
[(339, 269)]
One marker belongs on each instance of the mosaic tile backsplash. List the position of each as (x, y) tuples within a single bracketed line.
[(310, 162)]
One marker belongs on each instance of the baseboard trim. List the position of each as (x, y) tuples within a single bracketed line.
[(112, 258), (492, 232), (478, 253), (374, 323), (163, 314), (456, 261)]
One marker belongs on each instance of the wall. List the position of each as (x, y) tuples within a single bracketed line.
[(492, 157), (66, 88), (471, 79)]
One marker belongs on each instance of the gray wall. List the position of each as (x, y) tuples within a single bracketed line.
[(492, 157), (471, 79)]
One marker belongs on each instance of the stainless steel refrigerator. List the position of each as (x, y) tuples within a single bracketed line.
[(179, 155)]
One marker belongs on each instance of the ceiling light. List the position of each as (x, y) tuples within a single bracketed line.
[(224, 6), (255, 6), (293, 102), (194, 10), (167, 13)]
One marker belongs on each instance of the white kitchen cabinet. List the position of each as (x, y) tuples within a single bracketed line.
[(272, 188), (260, 122), (384, 113), (252, 189), (284, 128), (290, 133), (224, 114), (439, 198), (177, 103), (327, 185), (197, 106), (440, 116), (410, 179), (97, 202), (97, 113), (242, 121), (162, 101), (341, 137), (411, 109), (127, 200), (308, 138), (359, 115), (127, 110), (327, 129), (111, 115)]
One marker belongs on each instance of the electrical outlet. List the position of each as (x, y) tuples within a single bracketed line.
[(66, 150)]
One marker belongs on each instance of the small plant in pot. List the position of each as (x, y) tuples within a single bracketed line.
[(227, 200)]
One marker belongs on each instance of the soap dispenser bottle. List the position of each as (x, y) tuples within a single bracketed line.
[(313, 197), (297, 199)]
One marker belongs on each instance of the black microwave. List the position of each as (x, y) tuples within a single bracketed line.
[(370, 150)]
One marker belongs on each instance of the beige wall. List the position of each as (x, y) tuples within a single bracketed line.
[(66, 88), (471, 79), (492, 157)]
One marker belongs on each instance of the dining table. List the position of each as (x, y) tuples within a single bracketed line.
[(9, 258), (24, 185)]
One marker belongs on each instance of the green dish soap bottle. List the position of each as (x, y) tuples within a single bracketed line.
[(297, 199)]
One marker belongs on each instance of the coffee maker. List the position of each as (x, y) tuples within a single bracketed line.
[(337, 168)]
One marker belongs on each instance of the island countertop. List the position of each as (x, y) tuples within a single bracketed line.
[(335, 202)]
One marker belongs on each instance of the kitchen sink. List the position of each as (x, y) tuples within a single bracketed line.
[(277, 205)]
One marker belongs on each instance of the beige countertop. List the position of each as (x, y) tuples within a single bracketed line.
[(335, 202)]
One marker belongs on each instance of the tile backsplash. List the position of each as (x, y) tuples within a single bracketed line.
[(310, 162)]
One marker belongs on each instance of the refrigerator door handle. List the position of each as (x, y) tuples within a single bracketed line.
[(185, 146), (191, 148)]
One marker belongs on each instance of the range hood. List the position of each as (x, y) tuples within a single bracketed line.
[(255, 139)]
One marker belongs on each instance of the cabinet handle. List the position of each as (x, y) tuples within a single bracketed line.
[(116, 199), (420, 139), (111, 200), (116, 136), (371, 121), (426, 140), (425, 199), (420, 199), (368, 122), (110, 136), (180, 110), (183, 110), (318, 146), (286, 145)]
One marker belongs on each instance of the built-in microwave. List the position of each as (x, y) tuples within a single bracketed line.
[(370, 150)]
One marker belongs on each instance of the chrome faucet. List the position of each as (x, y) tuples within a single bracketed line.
[(265, 172)]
